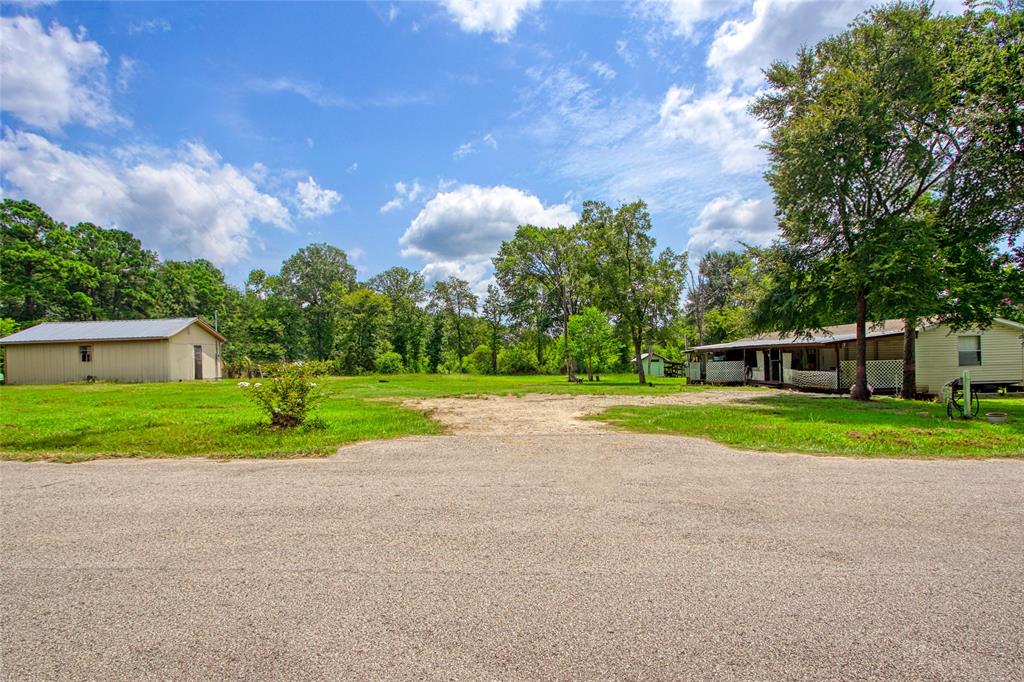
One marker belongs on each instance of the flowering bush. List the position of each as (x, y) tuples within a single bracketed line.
[(288, 395)]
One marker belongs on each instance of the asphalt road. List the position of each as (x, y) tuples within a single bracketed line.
[(521, 557)]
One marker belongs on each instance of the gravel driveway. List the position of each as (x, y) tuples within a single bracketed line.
[(594, 555)]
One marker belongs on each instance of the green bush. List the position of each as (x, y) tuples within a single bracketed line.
[(288, 395), (479, 361), (517, 360), (389, 363)]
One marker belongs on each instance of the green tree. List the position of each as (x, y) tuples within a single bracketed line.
[(865, 128), (455, 303), (363, 330), (314, 279), (125, 285), (42, 276), (548, 259), (493, 310), (640, 290), (592, 338), (408, 325), (194, 288)]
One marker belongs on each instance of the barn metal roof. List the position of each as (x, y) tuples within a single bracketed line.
[(105, 330)]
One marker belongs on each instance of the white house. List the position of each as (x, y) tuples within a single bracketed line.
[(825, 361)]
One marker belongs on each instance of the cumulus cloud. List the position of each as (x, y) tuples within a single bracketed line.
[(313, 200), (717, 120), (458, 231), (727, 221), (497, 17), (52, 77), (405, 192), (185, 204)]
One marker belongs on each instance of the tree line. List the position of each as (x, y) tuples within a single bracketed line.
[(594, 295)]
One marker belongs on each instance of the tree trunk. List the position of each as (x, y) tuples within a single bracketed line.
[(458, 343), (637, 348), (570, 368), (909, 368), (860, 387), (590, 370)]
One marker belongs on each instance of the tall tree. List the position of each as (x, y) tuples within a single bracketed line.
[(363, 330), (406, 291), (42, 276), (125, 286), (864, 128), (494, 315), (640, 290), (313, 279), (192, 288), (551, 259), (452, 299)]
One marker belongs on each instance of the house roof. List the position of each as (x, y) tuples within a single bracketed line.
[(834, 334), (656, 355), (106, 330)]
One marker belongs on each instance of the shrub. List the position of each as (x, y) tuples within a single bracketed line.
[(288, 395), (389, 363), (517, 360), (479, 361)]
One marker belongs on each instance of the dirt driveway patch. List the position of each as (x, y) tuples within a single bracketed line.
[(540, 414)]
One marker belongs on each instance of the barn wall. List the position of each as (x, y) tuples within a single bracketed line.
[(938, 360), (56, 363), (181, 358)]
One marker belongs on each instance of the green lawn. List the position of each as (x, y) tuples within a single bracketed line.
[(885, 427), (83, 421)]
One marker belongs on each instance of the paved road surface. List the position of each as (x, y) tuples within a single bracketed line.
[(469, 557)]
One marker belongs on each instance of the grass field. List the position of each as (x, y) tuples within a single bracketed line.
[(83, 421), (885, 427)]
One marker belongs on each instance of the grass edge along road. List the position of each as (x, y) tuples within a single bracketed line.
[(79, 422), (827, 425)]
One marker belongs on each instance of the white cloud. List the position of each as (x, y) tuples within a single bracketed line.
[(457, 232), (472, 147), (160, 25), (463, 150), (127, 69), (313, 200), (405, 192), (498, 17), (352, 168), (685, 15), (321, 96), (716, 120), (622, 49), (185, 204), (392, 13), (777, 28), (53, 77), (603, 70), (727, 221)]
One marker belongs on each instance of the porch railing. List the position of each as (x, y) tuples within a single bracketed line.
[(724, 372)]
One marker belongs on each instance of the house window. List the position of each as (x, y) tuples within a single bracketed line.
[(85, 353), (970, 350)]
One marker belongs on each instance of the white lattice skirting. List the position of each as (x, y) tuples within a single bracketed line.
[(881, 373), (809, 379), (724, 372)]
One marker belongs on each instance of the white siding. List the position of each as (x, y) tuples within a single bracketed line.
[(58, 363), (938, 362)]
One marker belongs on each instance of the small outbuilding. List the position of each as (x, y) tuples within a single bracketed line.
[(654, 364), (131, 351)]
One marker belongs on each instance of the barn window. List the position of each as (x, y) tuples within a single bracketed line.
[(85, 353), (970, 350)]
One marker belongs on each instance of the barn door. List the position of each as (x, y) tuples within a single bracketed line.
[(198, 351)]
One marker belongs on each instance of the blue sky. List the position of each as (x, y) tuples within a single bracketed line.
[(418, 134)]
